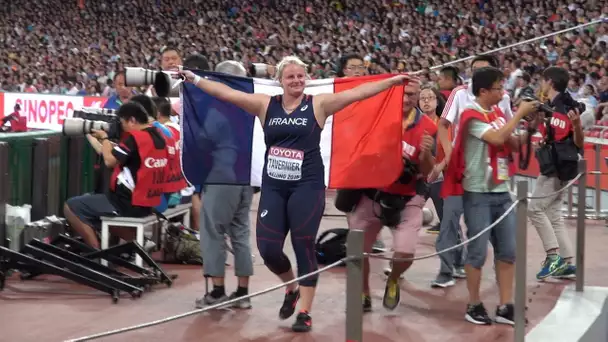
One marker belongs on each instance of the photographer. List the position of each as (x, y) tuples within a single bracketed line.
[(162, 122), (170, 60), (17, 121), (226, 212), (558, 162), (123, 95), (140, 167), (479, 170), (398, 206)]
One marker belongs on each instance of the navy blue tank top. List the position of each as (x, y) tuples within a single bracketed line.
[(293, 154)]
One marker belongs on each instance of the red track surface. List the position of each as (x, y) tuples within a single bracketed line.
[(52, 309)]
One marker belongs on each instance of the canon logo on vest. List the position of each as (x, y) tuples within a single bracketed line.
[(561, 125), (288, 122), (558, 123), (152, 163)]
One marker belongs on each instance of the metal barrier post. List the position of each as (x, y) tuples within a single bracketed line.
[(580, 226), (598, 185), (5, 184), (520, 256), (570, 198), (354, 286)]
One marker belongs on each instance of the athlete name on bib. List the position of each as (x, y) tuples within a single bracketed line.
[(284, 163)]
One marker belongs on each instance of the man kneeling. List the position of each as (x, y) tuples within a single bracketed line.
[(398, 206), (142, 167)]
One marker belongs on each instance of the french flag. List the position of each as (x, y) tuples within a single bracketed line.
[(223, 144)]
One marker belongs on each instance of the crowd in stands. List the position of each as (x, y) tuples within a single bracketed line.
[(53, 46)]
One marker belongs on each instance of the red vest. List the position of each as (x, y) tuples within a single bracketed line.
[(499, 156), (561, 124), (175, 179), (176, 133), (152, 173), (412, 137), (18, 122)]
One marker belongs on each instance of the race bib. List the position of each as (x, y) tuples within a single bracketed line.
[(502, 169), (284, 163)]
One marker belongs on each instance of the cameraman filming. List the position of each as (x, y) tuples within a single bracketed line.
[(140, 165), (558, 157)]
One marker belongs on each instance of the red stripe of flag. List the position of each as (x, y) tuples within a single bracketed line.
[(366, 138)]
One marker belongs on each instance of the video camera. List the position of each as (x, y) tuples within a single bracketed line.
[(86, 120), (161, 80)]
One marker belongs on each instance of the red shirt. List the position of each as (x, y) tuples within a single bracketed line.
[(412, 138)]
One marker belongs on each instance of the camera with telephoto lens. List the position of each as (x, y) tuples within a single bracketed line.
[(527, 95), (85, 120), (162, 81), (570, 104)]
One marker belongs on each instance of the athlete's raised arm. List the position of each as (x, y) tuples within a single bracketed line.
[(332, 103), (254, 104)]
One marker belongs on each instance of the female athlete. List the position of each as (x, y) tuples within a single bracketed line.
[(293, 188)]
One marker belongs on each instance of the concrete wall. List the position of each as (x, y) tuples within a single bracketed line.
[(598, 331)]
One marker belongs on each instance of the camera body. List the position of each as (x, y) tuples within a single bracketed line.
[(410, 172), (572, 104), (85, 120), (567, 100)]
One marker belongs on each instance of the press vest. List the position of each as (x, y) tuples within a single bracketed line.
[(500, 157), (412, 138), (175, 178), (152, 173)]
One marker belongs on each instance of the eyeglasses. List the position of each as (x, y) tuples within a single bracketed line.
[(355, 67), (428, 99)]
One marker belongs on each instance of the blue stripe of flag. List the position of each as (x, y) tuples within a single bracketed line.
[(217, 136)]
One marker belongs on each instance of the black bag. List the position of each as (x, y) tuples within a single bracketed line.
[(389, 205), (546, 160), (347, 199), (332, 249), (566, 155)]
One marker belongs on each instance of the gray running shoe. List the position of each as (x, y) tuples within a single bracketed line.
[(209, 300), (244, 303)]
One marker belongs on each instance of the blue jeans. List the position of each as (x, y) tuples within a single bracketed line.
[(480, 211), (435, 194), (450, 234)]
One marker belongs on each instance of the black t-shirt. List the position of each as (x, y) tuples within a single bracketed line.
[(127, 155), (102, 176)]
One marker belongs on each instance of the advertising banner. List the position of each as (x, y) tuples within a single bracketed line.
[(46, 111)]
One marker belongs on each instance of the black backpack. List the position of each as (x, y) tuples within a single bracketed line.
[(333, 249)]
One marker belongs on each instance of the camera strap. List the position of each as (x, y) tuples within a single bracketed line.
[(524, 158), (390, 206)]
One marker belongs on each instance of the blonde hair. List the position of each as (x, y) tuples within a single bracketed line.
[(287, 60)]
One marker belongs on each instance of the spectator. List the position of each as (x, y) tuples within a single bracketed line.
[(47, 51), (122, 93)]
